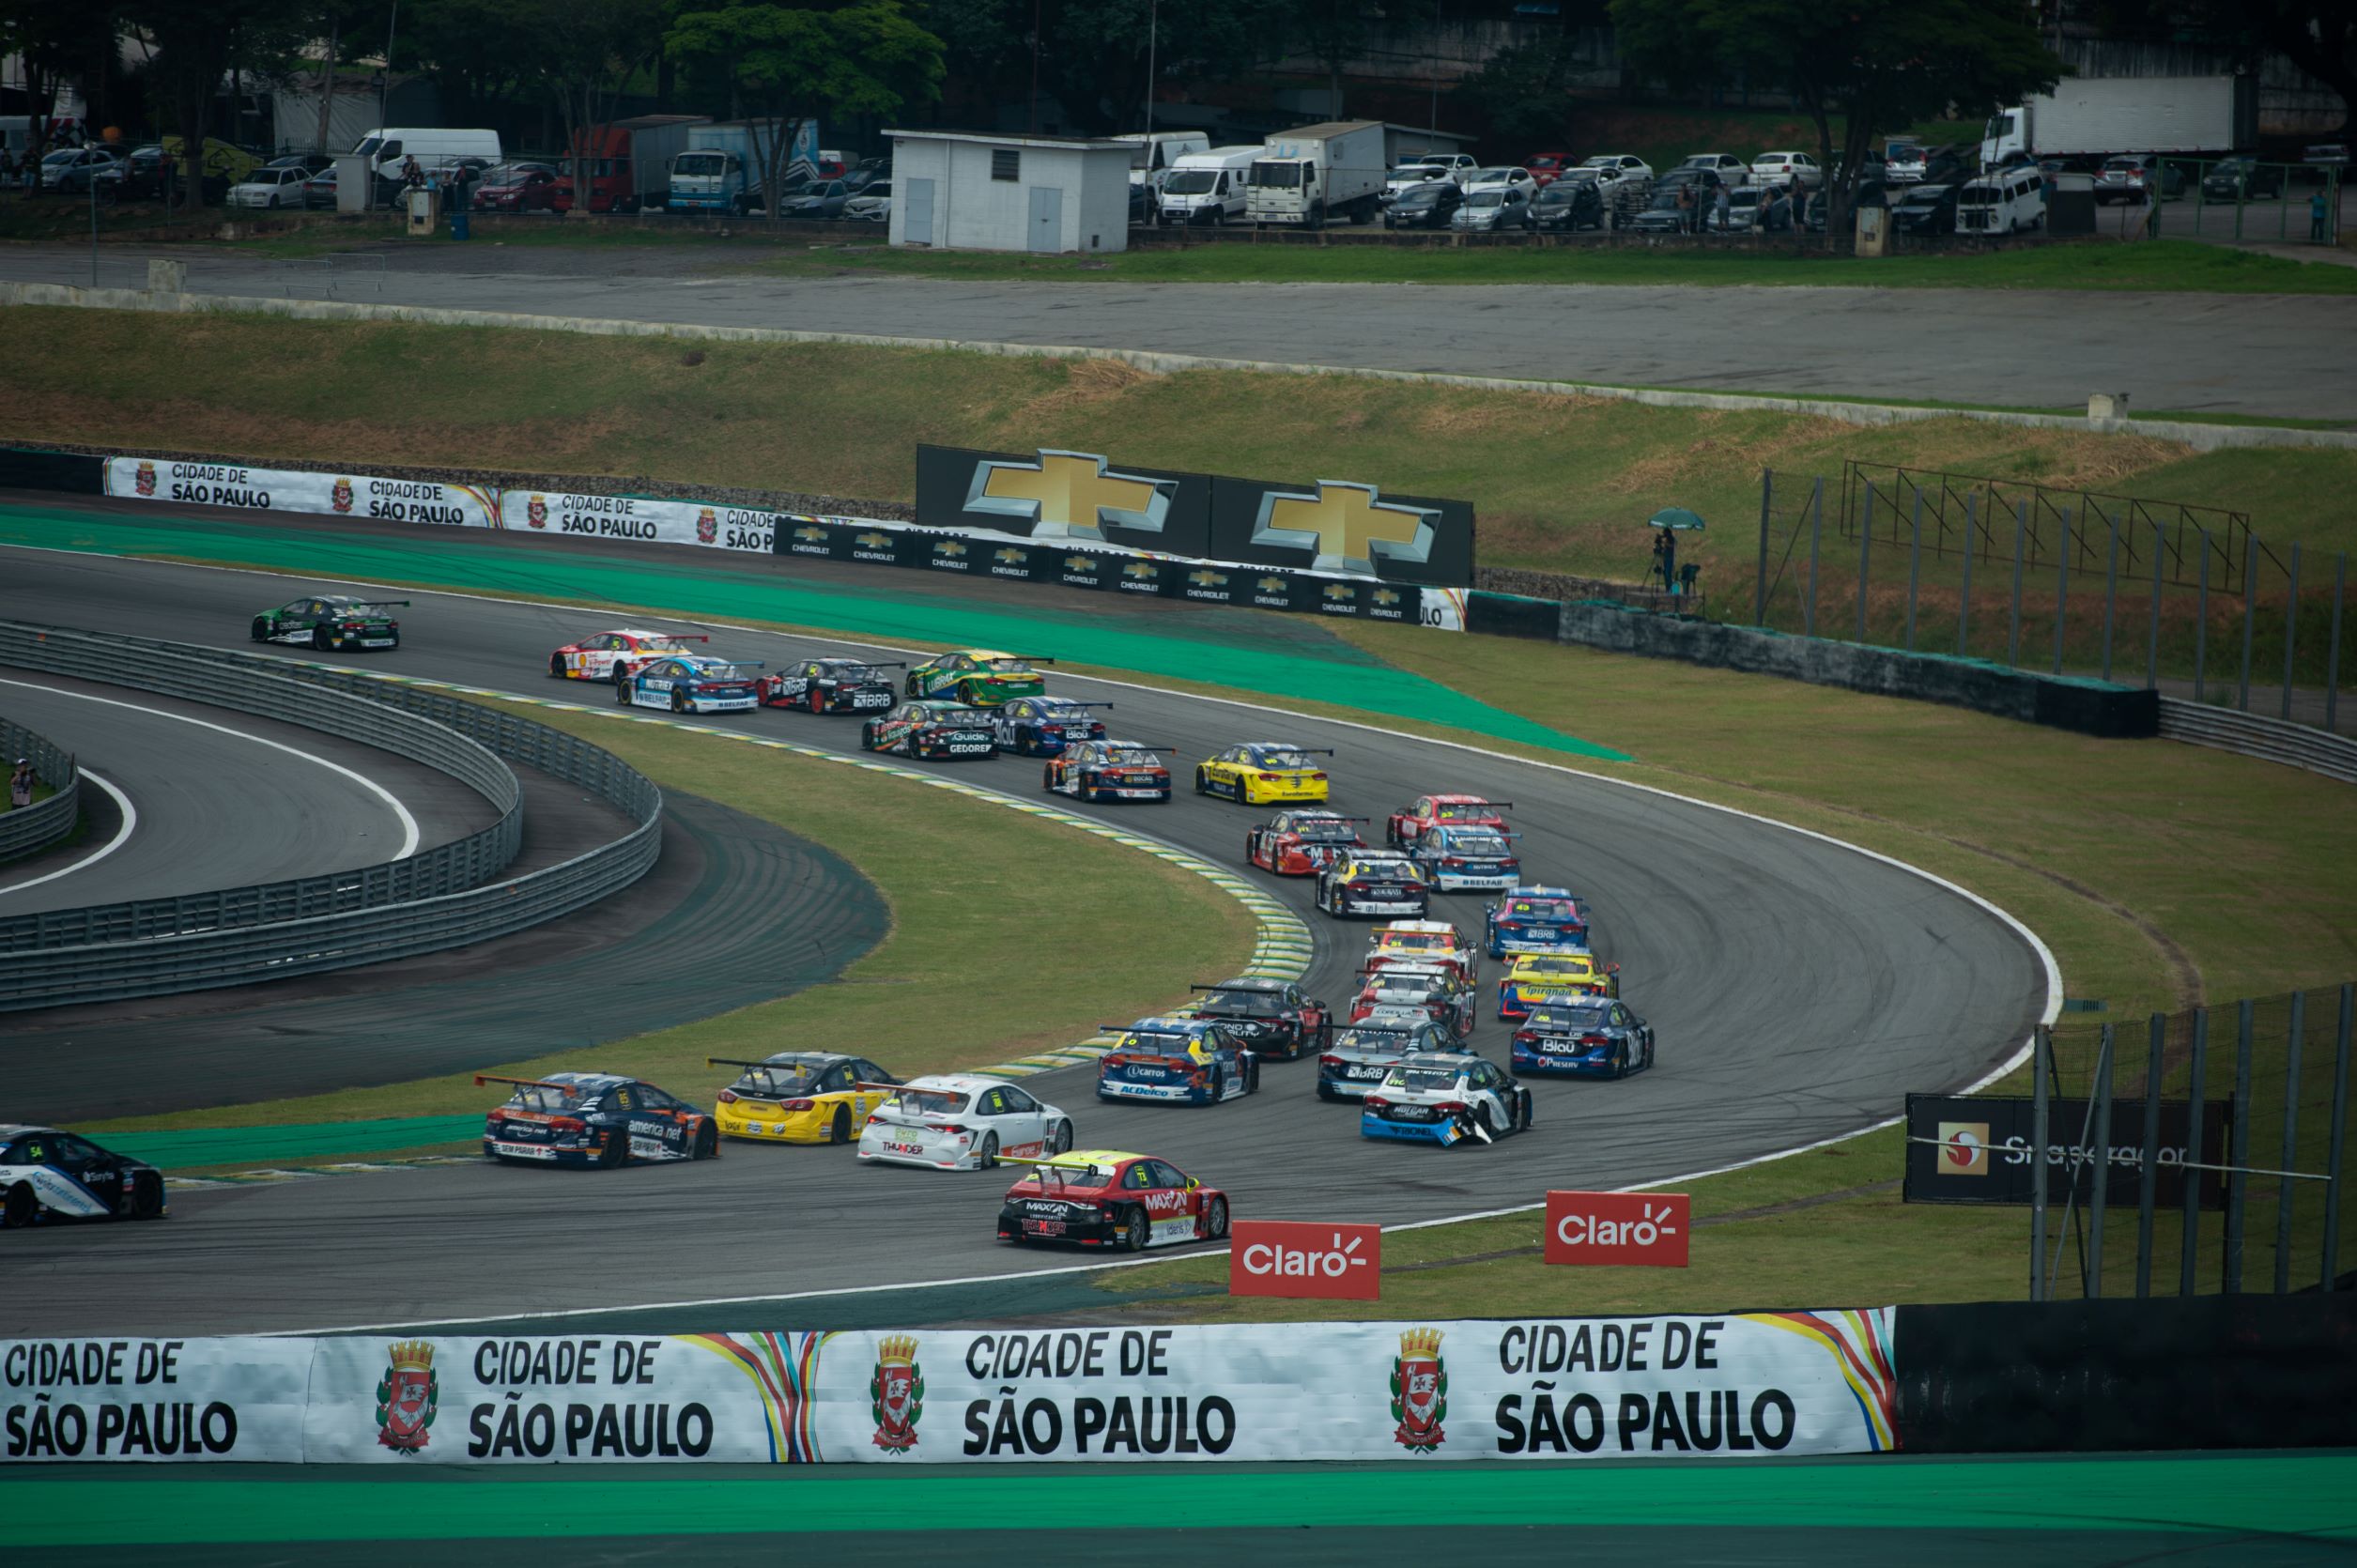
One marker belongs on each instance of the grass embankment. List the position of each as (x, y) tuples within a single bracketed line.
[(1094, 925), (1564, 483)]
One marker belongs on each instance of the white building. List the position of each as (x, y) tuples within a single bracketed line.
[(970, 191)]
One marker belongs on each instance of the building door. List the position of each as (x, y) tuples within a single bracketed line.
[(1047, 219), (917, 225)]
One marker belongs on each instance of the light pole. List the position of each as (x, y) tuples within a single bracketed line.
[(1153, 31), (1435, 77), (384, 90)]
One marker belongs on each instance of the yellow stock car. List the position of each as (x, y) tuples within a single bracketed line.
[(1533, 975), (1264, 772), (801, 1096)]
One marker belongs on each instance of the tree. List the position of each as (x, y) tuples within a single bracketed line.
[(1334, 34), (786, 67), (1523, 91), (2318, 36), (197, 44), (479, 52), (586, 53), (1093, 55), (43, 36), (1875, 65)]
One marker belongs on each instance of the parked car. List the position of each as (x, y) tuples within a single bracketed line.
[(518, 187), (1928, 210), (319, 189), (1489, 208), (1661, 214), (1457, 168), (1743, 210), (270, 187), (1548, 167), (2241, 178), (1613, 166), (1730, 169), (1785, 168), (822, 201), (309, 162), (72, 171), (1403, 178), (2135, 178), (1904, 162), (1501, 176), (1570, 203), (872, 204), (1429, 206)]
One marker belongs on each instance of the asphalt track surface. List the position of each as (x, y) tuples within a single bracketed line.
[(1799, 988), (217, 803), (2011, 347)]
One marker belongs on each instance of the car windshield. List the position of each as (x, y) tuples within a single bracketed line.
[(1155, 1043), (699, 164), (1603, 161), (1422, 1078), (1378, 1039), (2123, 163), (1403, 868), (1006, 666), (1325, 830), (1466, 811), (1130, 756), (1557, 194), (1542, 909), (929, 1103), (1280, 756), (1486, 198), (780, 1078), (1486, 176), (544, 1097), (1416, 942), (1568, 1018), (856, 672), (1246, 1004), (1192, 182), (1567, 963), (61, 158), (1421, 195), (1278, 177), (1926, 195)]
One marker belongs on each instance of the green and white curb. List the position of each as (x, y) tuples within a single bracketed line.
[(1282, 949)]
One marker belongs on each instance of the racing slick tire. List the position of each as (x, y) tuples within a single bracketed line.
[(1060, 1137), (320, 642), (21, 1207), (1522, 1105), (556, 666), (986, 1158), (1481, 1116), (1215, 1220), (1136, 1229), (678, 700), (1202, 782), (1252, 1074), (146, 1195), (838, 1130), (614, 1152), (867, 737), (707, 1144), (1326, 1094), (818, 699), (261, 630), (621, 694)]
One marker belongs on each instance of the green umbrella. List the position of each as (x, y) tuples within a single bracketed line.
[(1676, 516)]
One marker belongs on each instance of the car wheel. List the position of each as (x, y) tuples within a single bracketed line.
[(320, 642), (839, 1130), (1060, 1137), (1202, 782), (1215, 1220), (1481, 1116), (867, 737), (707, 1144), (556, 666), (1251, 1075), (1047, 779), (1325, 1093), (261, 630), (818, 700), (21, 1207), (147, 1194), (621, 694), (615, 1152), (678, 700), (1523, 1104), (1135, 1230), (986, 1158)]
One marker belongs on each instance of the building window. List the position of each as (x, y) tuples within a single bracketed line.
[(1007, 164)]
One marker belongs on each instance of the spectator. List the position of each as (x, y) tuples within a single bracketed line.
[(412, 175), (21, 785), (1685, 208), (2319, 217), (1721, 206)]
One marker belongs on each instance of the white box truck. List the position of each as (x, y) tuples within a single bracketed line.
[(1208, 187), (722, 169), (1319, 173), (2094, 118)]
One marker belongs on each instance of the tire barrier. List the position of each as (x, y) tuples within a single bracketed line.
[(2271, 740), (439, 899), (47, 819)]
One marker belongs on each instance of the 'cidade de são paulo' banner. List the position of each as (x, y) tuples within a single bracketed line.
[(1755, 1384), (335, 494)]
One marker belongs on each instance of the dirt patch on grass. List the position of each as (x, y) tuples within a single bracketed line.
[(1724, 450), (1089, 383)]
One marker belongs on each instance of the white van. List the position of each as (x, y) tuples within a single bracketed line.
[(2004, 200), (434, 149), (1208, 187), (1154, 153)]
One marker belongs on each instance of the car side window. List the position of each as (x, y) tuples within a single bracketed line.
[(1166, 1174), (995, 1103), (871, 1073), (1138, 1177), (836, 1080), (621, 1099), (1019, 1101)]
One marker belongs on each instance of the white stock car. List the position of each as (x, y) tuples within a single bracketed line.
[(959, 1121), (1443, 1100), (48, 1175), (594, 657)]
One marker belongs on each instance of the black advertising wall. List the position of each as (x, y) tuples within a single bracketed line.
[(1978, 1149), (1319, 525), (2172, 1373), (70, 471)]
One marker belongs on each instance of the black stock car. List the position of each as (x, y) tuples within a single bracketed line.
[(593, 1118), (1266, 1017), (47, 1176), (332, 621), (937, 729), (831, 687)]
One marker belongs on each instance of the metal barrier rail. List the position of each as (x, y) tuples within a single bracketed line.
[(310, 940), (2271, 740), (46, 821), (267, 688)]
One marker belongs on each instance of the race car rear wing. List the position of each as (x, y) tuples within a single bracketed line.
[(730, 669), (482, 1078), (378, 604)]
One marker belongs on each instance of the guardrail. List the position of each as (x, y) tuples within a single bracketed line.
[(356, 917), (48, 819), (2271, 740)]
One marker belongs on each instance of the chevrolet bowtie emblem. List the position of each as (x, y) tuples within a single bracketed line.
[(1069, 495), (1386, 596), (1207, 577), (1340, 590), (1006, 553), (1272, 585), (1080, 563), (873, 541), (1347, 527), (947, 546), (1138, 569), (811, 534)]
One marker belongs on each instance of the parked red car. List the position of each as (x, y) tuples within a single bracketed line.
[(1548, 167), (518, 187)]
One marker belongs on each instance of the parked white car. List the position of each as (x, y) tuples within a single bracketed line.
[(1407, 177), (874, 204), (1782, 168), (1455, 167), (1613, 167), (1503, 176), (269, 188), (1732, 171), (962, 1122)]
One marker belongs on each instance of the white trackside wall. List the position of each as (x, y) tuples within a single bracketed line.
[(251, 489), (1754, 1384)]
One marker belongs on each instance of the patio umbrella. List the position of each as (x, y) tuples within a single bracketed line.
[(1675, 518)]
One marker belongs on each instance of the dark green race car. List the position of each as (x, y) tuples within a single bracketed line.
[(332, 621)]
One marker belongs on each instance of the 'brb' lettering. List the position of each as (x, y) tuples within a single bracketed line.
[(1294, 1263), (1587, 1229)]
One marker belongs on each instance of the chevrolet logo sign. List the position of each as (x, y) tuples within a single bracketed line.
[(1341, 590), (1080, 563), (947, 546), (1272, 585), (816, 535), (1069, 495), (1345, 527), (1010, 554), (1386, 596), (1206, 579), (1138, 569), (873, 541)]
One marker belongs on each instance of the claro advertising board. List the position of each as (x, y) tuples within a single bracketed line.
[(335, 494), (1749, 1384)]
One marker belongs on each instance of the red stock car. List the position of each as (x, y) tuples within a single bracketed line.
[(1119, 1202), (1303, 843), (603, 655), (1410, 823)]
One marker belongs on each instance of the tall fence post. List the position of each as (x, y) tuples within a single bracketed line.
[(2239, 1149), (2287, 1188), (2153, 643), (1964, 593), (1816, 527), (2148, 1155), (2021, 534), (2333, 644), (2335, 1138), (1915, 564), (2062, 590), (1758, 592), (2041, 1055), (2101, 1190), (2196, 1079), (2250, 618), (1865, 552), (2202, 620), (2291, 624), (2111, 588)]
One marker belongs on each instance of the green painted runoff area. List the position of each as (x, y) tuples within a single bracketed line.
[(2278, 1496), (195, 1148), (437, 560)]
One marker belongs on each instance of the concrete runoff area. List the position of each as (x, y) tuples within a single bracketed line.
[(2253, 355)]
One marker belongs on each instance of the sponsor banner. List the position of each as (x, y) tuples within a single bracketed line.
[(1319, 1263), (336, 495), (1642, 1229), (1343, 526), (1756, 1384), (655, 522), (1981, 1149)]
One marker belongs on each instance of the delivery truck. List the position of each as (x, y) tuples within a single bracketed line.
[(2090, 118), (722, 169), (1208, 187), (627, 164), (1318, 175)]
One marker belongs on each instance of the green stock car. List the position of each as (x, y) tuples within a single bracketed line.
[(332, 621), (978, 677)]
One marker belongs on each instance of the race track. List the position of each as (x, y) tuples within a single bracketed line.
[(1799, 989)]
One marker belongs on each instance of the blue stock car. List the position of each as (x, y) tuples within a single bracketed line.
[(1534, 919), (689, 683), (1587, 1036), (1179, 1061), (1046, 726), (592, 1119)]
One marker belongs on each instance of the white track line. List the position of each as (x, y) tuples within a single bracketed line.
[(122, 836), (410, 836)]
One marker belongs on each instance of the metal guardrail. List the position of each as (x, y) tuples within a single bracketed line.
[(354, 921), (47, 819), (2271, 740)]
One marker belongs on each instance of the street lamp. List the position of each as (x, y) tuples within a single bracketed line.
[(1153, 33)]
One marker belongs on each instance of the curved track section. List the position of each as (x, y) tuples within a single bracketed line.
[(1800, 988)]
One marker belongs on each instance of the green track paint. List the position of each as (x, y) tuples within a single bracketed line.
[(195, 1148)]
